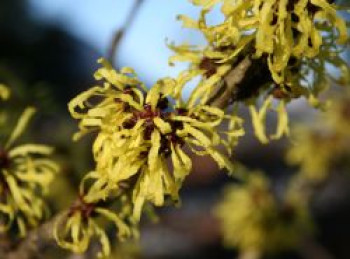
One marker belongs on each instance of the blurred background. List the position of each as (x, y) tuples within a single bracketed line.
[(48, 53)]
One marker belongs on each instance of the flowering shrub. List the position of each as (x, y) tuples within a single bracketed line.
[(26, 174), (262, 56), (253, 219)]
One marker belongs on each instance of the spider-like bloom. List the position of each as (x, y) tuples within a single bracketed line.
[(283, 30), (26, 173), (85, 221), (291, 44), (328, 137), (138, 131), (253, 219), (315, 151), (226, 47)]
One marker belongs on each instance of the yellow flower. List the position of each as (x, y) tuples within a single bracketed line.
[(26, 174), (138, 131), (224, 50), (295, 40), (85, 221), (320, 147), (314, 151), (252, 219), (283, 28)]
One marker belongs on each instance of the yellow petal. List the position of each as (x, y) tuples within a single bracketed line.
[(21, 125)]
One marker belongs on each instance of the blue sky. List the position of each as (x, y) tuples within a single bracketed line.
[(144, 49)]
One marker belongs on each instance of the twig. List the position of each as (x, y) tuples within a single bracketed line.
[(121, 32), (231, 81)]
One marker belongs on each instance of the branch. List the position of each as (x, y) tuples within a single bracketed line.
[(244, 81), (226, 89), (121, 32)]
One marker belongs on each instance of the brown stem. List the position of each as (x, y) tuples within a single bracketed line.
[(121, 32), (222, 97), (244, 81)]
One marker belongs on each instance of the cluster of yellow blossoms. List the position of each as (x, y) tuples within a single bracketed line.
[(26, 174), (292, 43), (328, 137), (254, 219), (283, 30), (85, 221), (145, 138), (139, 132)]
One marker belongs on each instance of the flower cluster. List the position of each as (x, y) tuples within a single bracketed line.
[(253, 219), (328, 137), (87, 220), (275, 49), (283, 31), (26, 174), (290, 43), (145, 139)]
